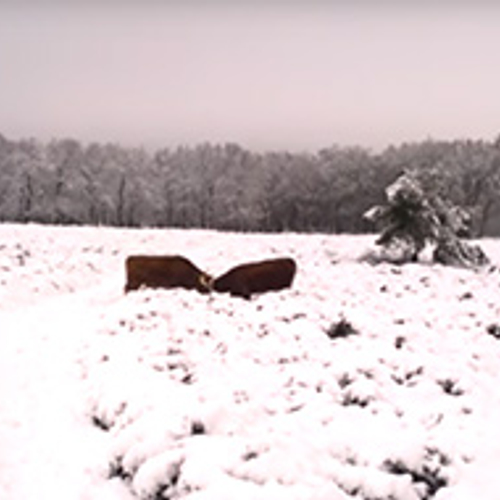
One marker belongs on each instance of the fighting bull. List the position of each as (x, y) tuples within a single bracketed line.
[(257, 277), (157, 271)]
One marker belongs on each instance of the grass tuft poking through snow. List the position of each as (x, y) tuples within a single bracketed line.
[(341, 329)]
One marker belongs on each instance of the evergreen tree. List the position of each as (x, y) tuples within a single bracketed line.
[(413, 218), (408, 221)]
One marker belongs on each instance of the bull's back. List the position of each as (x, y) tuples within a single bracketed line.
[(272, 275), (158, 271), (257, 277)]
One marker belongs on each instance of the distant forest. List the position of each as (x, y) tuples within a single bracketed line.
[(228, 187)]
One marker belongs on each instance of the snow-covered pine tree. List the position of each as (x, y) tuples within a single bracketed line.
[(411, 219), (408, 221)]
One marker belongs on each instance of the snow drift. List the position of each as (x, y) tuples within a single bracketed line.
[(361, 381)]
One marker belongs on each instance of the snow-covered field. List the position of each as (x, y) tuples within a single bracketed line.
[(172, 394)]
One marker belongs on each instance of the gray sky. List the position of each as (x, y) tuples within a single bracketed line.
[(270, 76)]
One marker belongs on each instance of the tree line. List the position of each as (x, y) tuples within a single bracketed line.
[(228, 187)]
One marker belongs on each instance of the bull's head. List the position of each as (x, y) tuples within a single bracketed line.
[(206, 282)]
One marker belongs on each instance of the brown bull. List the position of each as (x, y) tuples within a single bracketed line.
[(157, 271), (257, 277)]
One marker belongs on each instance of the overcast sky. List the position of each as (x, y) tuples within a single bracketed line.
[(266, 75)]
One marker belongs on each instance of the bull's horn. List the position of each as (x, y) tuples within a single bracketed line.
[(206, 281)]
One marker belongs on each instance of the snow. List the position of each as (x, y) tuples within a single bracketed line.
[(173, 394)]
